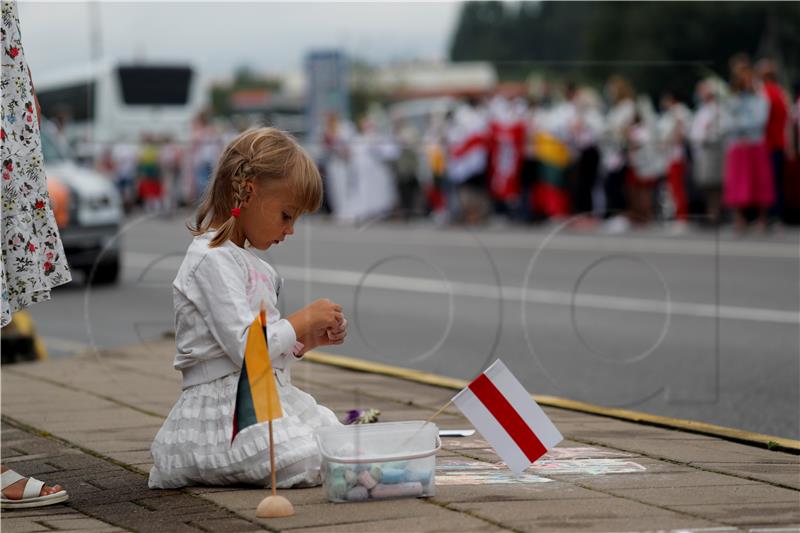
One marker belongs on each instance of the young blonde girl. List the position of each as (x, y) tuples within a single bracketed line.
[(263, 182)]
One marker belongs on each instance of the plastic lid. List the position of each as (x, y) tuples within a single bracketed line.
[(386, 441)]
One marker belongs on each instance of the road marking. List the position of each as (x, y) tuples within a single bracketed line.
[(564, 242), (351, 278)]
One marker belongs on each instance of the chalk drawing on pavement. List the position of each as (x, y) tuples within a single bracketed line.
[(470, 472), (559, 461)]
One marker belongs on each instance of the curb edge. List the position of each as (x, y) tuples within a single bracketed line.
[(741, 436)]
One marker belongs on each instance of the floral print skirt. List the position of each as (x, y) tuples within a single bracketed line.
[(33, 259)]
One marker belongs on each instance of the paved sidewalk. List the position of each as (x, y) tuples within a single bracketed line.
[(87, 422)]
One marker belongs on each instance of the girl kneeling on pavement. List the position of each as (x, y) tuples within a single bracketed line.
[(263, 182)]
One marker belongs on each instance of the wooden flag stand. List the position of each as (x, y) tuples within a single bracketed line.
[(273, 506)]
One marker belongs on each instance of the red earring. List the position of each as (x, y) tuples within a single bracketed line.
[(235, 212)]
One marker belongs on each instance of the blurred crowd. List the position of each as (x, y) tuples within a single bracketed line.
[(159, 173), (611, 163)]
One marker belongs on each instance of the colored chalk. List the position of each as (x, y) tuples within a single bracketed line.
[(398, 490), (375, 472), (392, 475), (423, 476), (337, 488), (366, 479), (351, 477), (358, 493)]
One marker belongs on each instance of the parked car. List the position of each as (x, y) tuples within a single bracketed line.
[(87, 209)]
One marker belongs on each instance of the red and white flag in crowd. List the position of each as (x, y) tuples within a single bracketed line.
[(508, 418)]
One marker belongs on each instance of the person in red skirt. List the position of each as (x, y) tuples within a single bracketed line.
[(748, 173), (673, 128)]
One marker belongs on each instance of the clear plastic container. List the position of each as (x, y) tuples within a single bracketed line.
[(379, 461)]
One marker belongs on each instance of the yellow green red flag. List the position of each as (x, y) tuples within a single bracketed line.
[(257, 394)]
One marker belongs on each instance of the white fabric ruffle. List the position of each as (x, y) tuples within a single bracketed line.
[(193, 446)]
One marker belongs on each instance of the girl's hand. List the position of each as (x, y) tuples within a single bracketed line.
[(325, 337), (314, 320), (337, 335)]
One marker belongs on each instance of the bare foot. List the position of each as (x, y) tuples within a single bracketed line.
[(14, 491)]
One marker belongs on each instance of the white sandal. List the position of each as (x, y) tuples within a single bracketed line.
[(30, 494)]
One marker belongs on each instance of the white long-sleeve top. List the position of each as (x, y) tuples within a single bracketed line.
[(217, 294)]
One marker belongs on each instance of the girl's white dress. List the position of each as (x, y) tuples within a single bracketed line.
[(217, 294)]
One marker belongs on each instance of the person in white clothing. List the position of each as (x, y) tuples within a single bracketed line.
[(647, 161), (467, 140), (374, 194), (613, 150), (673, 129), (585, 130), (707, 135), (125, 156), (263, 182)]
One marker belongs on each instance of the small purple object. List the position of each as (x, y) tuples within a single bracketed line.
[(361, 416), (352, 416)]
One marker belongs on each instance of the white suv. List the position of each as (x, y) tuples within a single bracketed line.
[(88, 212)]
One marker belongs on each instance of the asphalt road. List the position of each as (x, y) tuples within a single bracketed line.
[(704, 326)]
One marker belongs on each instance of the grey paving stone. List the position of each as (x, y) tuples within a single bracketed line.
[(226, 525), (509, 492), (694, 450), (684, 478), (662, 523), (248, 499), (333, 514), (553, 509), (720, 494), (22, 525), (784, 474), (460, 523), (763, 514), (163, 502), (75, 524), (106, 493)]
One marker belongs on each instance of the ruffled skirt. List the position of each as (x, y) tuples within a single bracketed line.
[(194, 447), (748, 176)]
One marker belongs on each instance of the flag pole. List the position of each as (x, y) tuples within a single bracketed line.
[(263, 316), (428, 421), (272, 461), (441, 409), (272, 506)]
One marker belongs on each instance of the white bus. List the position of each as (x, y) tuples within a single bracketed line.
[(109, 103)]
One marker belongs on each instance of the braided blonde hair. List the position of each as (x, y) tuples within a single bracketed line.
[(265, 154)]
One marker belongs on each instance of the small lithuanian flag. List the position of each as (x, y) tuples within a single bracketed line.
[(257, 395)]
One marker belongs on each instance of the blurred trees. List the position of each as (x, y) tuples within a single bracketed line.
[(656, 44)]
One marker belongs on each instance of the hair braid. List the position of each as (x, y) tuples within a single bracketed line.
[(239, 190)]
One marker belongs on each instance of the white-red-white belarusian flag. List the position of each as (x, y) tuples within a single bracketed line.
[(508, 418)]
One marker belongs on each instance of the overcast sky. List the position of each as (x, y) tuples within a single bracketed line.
[(220, 36)]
